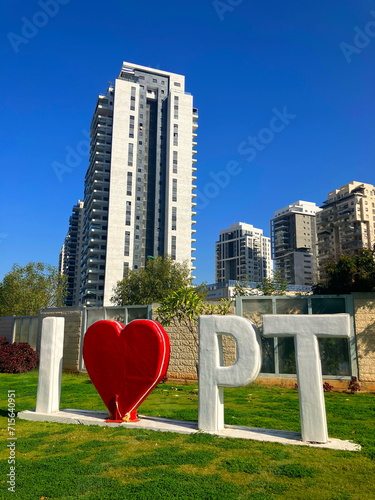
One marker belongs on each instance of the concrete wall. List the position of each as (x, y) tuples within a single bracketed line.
[(364, 310), (6, 327), (72, 334)]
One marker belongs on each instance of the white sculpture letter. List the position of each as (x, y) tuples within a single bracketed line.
[(306, 329), (50, 366), (212, 376)]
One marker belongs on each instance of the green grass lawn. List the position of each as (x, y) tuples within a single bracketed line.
[(73, 462)]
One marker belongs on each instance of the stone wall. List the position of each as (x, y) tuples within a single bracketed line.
[(364, 310), (184, 353), (6, 328), (72, 334)]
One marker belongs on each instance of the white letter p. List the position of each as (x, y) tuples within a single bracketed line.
[(213, 376)]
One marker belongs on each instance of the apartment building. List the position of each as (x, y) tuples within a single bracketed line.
[(293, 237), (70, 256), (139, 199), (243, 252), (346, 222)]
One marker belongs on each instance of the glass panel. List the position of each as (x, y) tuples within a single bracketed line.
[(33, 332), (116, 315), (287, 358), (24, 330), (17, 330), (137, 313), (334, 355), (291, 306), (328, 305), (253, 309), (94, 315), (268, 355)]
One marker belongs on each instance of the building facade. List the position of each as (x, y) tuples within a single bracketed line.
[(139, 199), (346, 222), (70, 256), (293, 236), (243, 253)]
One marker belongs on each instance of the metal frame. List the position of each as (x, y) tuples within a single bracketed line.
[(349, 308)]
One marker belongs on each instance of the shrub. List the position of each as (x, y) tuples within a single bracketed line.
[(354, 385), (18, 357), (3, 341)]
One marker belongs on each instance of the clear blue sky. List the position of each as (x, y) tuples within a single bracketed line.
[(242, 60)]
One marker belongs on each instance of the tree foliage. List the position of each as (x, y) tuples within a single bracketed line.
[(350, 273), (183, 307), (269, 286), (27, 289), (160, 276)]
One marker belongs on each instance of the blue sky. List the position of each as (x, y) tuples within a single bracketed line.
[(246, 63)]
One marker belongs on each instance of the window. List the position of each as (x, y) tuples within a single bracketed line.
[(177, 84), (131, 126), (174, 190), (175, 107), (175, 155), (129, 184), (173, 247), (130, 154), (175, 134), (128, 213), (132, 99), (174, 218)]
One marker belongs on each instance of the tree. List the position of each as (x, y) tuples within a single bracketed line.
[(268, 286), (350, 273), (160, 276), (273, 286), (182, 308), (25, 290)]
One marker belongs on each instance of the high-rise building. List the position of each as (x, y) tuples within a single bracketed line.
[(242, 252), (70, 256), (346, 222), (293, 236), (139, 183)]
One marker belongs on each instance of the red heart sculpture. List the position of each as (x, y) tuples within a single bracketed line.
[(125, 363)]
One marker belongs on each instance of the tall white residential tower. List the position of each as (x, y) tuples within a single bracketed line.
[(139, 184), (70, 256), (242, 252), (293, 236), (346, 222)]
